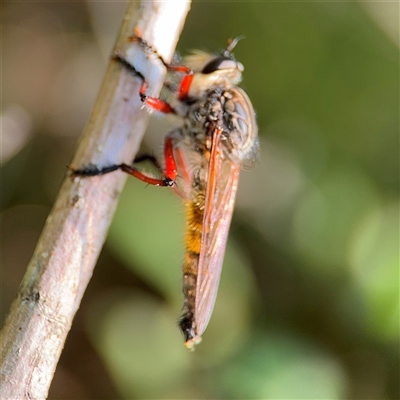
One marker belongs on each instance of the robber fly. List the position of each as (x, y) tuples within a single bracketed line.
[(202, 162)]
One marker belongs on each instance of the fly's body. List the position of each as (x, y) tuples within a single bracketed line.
[(203, 159), (219, 136)]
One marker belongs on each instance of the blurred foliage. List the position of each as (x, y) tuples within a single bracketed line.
[(309, 300)]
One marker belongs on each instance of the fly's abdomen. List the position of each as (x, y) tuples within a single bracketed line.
[(194, 229)]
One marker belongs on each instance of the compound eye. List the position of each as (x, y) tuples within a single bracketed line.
[(220, 63)]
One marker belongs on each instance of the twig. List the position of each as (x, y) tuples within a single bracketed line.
[(49, 296)]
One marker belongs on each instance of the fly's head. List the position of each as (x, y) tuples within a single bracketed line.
[(212, 71)]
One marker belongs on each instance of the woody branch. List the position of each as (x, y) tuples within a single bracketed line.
[(55, 280)]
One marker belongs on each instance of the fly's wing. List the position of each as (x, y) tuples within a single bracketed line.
[(223, 178)]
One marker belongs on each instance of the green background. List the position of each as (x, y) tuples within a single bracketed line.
[(309, 299)]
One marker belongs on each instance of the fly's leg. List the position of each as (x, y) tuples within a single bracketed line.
[(176, 163), (93, 170), (169, 175), (183, 90), (155, 103)]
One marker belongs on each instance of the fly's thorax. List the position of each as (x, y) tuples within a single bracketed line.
[(230, 111)]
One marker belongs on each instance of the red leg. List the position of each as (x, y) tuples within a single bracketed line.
[(144, 178), (137, 37), (160, 105), (170, 164), (154, 102), (184, 86), (176, 164), (92, 170), (185, 183), (169, 175)]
